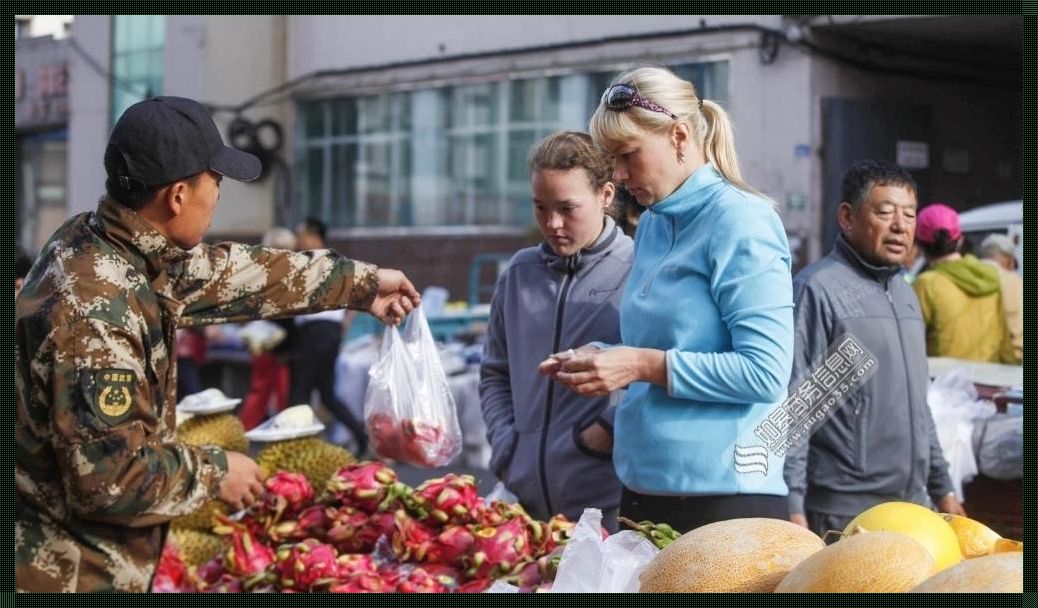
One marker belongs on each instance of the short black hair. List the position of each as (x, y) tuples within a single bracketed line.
[(22, 265), (864, 175), (137, 194), (316, 226)]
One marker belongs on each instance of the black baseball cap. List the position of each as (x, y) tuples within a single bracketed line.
[(165, 139)]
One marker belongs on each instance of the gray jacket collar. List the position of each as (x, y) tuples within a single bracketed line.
[(583, 257), (843, 250)]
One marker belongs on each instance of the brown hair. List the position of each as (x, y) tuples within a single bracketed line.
[(565, 150)]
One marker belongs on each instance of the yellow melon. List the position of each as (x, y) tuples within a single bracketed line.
[(975, 539), (874, 562), (920, 523), (999, 573), (737, 555), (1004, 545)]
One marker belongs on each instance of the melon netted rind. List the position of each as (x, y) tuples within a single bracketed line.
[(737, 555), (998, 573), (870, 562)]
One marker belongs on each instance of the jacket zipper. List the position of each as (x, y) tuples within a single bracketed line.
[(908, 400), (571, 269)]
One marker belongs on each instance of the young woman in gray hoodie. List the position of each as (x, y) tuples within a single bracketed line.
[(550, 446)]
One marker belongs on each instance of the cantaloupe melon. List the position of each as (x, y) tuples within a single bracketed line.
[(881, 562), (920, 523), (737, 555), (998, 573), (975, 539)]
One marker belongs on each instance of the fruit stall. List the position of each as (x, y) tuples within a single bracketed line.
[(329, 524)]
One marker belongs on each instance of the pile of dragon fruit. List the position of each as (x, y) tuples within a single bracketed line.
[(369, 532)]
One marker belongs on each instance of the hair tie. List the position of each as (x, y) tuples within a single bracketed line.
[(700, 104)]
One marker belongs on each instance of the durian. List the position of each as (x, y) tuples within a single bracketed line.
[(204, 518), (311, 456), (222, 430), (196, 548)]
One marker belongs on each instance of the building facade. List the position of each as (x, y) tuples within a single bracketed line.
[(408, 135)]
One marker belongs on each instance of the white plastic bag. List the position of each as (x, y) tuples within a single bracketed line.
[(408, 408), (953, 402), (592, 565)]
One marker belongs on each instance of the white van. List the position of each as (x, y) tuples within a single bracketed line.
[(1005, 218)]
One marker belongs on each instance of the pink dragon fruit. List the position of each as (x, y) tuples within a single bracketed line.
[(497, 550), (411, 538), (556, 532), (421, 581), (345, 527), (451, 499), (363, 582), (354, 563), (380, 523), (367, 486), (312, 522), (308, 564), (498, 512), (450, 546), (478, 585), (226, 583), (287, 493), (172, 574), (247, 555)]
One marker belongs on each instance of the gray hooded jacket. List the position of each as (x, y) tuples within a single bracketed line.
[(881, 444), (545, 304)]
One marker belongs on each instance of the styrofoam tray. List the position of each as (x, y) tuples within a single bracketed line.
[(209, 407), (267, 432)]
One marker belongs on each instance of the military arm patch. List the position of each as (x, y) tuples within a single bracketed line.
[(113, 394)]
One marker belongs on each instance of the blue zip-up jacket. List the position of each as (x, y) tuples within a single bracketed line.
[(711, 285)]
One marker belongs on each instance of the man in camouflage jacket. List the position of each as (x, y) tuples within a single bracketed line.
[(99, 470)]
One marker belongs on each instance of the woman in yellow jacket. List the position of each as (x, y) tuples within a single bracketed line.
[(960, 296)]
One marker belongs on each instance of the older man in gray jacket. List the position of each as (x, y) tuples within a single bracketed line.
[(881, 444)]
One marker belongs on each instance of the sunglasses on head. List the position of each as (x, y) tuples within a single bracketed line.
[(620, 97)]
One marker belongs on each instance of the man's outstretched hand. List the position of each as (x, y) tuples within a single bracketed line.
[(396, 297)]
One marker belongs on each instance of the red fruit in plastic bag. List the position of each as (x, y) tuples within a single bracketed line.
[(384, 435)]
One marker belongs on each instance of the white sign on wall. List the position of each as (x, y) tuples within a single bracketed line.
[(913, 154)]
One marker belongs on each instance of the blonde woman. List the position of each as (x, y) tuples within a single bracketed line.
[(706, 317)]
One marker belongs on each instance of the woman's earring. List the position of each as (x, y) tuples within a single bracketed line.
[(681, 157)]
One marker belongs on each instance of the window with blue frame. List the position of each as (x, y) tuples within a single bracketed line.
[(138, 55), (452, 156)]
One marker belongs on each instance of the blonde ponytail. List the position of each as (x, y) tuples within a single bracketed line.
[(719, 147)]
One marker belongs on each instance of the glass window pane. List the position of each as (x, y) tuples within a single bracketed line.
[(550, 100), (375, 114), (314, 170), (344, 186), (377, 194), (519, 145), (522, 103), (313, 117), (158, 30), (344, 116), (402, 181)]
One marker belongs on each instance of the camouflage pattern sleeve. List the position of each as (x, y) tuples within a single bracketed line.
[(118, 460), (231, 282)]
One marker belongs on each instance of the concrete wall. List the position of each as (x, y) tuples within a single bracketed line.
[(338, 41), (222, 61), (88, 113)]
